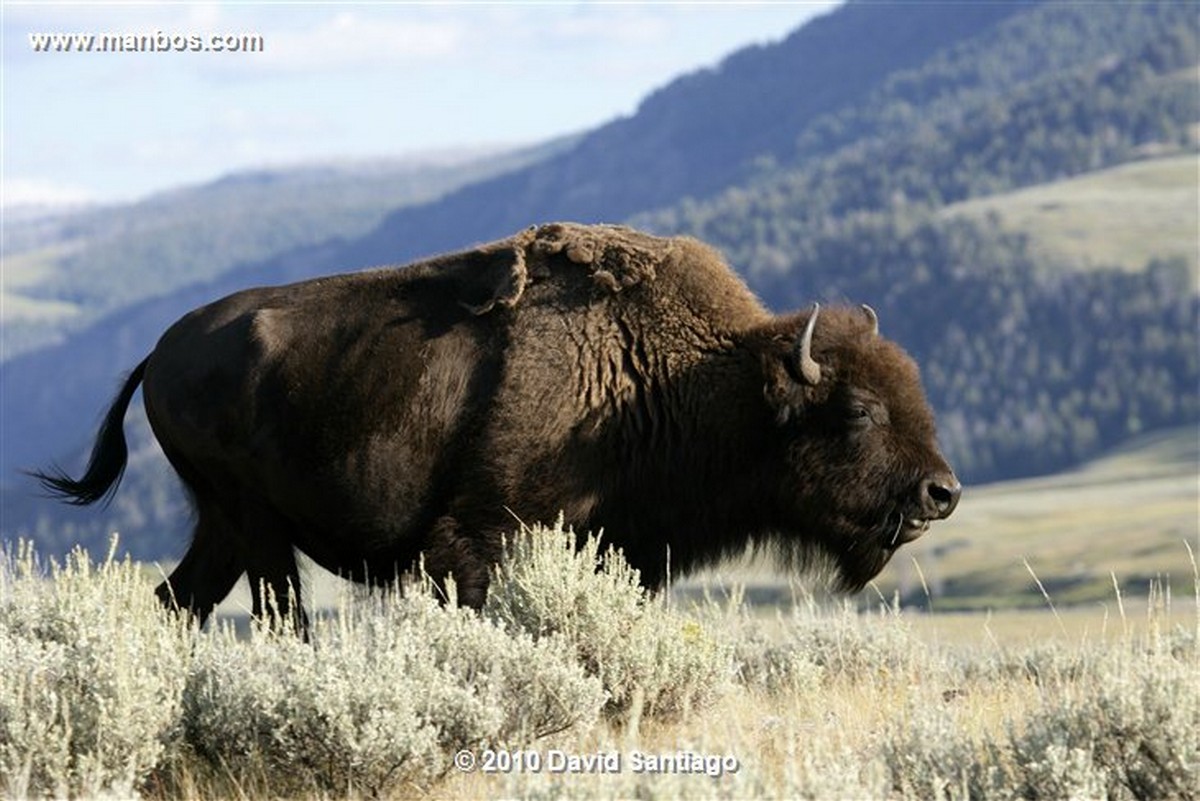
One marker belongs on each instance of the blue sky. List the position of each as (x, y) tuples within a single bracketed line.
[(335, 80)]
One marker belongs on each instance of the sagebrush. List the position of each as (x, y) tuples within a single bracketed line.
[(104, 693)]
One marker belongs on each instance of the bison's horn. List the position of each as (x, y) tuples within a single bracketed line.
[(805, 363), (873, 317)]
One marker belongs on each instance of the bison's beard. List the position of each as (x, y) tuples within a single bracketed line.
[(845, 553)]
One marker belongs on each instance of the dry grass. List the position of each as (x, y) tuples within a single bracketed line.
[(818, 702), (910, 720), (811, 699), (1129, 515)]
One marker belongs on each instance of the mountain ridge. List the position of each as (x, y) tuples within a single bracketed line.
[(105, 257)]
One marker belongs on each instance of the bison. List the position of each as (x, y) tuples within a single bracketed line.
[(631, 383)]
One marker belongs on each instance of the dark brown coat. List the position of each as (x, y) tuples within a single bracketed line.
[(630, 382)]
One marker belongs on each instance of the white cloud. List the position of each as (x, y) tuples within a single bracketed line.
[(18, 192), (235, 136), (606, 27), (203, 16), (328, 38), (348, 39)]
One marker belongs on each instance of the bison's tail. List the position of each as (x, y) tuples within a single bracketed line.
[(109, 454)]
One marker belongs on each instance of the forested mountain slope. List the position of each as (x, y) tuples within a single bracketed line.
[(821, 166), (1031, 365)]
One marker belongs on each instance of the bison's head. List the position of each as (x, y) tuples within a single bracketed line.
[(863, 471)]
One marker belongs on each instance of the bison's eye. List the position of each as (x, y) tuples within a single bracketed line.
[(862, 412), (858, 413)]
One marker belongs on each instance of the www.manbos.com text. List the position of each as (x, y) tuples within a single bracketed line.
[(158, 42)]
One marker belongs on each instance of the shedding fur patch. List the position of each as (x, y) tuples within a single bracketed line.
[(617, 257)]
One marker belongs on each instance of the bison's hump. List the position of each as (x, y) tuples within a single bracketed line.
[(675, 277), (616, 256)]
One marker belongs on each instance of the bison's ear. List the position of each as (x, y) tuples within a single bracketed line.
[(490, 276)]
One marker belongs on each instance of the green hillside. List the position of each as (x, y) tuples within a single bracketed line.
[(1124, 217), (24, 273)]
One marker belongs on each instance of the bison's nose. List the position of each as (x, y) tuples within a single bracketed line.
[(939, 495)]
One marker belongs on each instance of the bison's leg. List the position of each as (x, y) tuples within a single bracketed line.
[(449, 553), (208, 570), (271, 566)]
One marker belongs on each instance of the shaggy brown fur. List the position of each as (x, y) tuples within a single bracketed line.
[(630, 382)]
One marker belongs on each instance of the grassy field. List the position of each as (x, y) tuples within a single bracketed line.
[(1123, 518), (1122, 217)]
